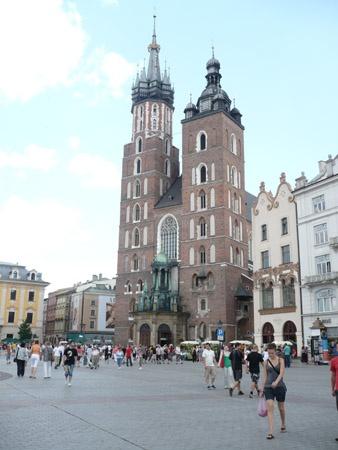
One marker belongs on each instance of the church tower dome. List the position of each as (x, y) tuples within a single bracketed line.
[(190, 110), (213, 97)]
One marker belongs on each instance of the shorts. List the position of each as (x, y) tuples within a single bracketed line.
[(35, 360), (254, 377), (238, 374), (69, 370), (277, 393)]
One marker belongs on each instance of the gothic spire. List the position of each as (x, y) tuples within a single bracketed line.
[(154, 72), (151, 84)]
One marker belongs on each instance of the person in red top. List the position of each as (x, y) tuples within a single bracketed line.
[(334, 380), (129, 353)]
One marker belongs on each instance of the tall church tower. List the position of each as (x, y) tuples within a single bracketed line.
[(150, 166), (214, 241)]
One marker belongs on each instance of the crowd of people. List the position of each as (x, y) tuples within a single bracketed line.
[(90, 356), (234, 360)]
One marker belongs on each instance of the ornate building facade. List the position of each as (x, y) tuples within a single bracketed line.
[(317, 208), (277, 301), (183, 244)]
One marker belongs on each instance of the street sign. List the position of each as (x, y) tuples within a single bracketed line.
[(220, 334)]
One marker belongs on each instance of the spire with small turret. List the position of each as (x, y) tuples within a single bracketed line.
[(151, 84)]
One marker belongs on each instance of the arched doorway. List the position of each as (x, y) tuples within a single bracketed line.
[(131, 333), (289, 331), (268, 333), (243, 328), (164, 334), (145, 335)]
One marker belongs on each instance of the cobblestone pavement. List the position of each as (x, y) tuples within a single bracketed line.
[(160, 407)]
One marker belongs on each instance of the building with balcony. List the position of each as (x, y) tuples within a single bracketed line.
[(317, 211), (277, 301), (21, 298)]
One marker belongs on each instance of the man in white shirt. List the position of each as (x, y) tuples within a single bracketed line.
[(58, 354), (209, 361), (178, 354)]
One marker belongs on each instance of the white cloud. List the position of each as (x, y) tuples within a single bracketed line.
[(74, 142), (33, 157), (41, 44), (95, 171), (55, 239), (108, 70)]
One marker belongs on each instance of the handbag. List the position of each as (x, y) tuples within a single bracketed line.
[(221, 362), (16, 359), (262, 409)]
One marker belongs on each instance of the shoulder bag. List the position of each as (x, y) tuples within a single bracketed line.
[(281, 383)]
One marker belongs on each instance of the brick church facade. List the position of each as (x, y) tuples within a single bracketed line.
[(183, 239)]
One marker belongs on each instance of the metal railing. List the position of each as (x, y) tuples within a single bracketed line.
[(329, 276), (334, 241)]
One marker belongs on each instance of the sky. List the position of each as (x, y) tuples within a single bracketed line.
[(65, 82)]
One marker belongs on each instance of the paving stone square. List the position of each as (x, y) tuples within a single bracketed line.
[(162, 407)]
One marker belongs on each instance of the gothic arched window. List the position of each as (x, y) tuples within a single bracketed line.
[(139, 145), (203, 174), (168, 237), (203, 200), (137, 190), (136, 238), (135, 262), (202, 255), (137, 213), (167, 149), (203, 227), (137, 166), (237, 257), (203, 141), (236, 230)]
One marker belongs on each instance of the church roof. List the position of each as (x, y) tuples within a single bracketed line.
[(173, 196)]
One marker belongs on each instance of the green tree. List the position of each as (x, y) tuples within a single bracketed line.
[(25, 332)]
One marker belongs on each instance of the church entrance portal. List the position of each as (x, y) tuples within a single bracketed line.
[(164, 334), (145, 335)]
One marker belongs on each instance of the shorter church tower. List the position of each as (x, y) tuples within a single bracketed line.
[(214, 248)]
